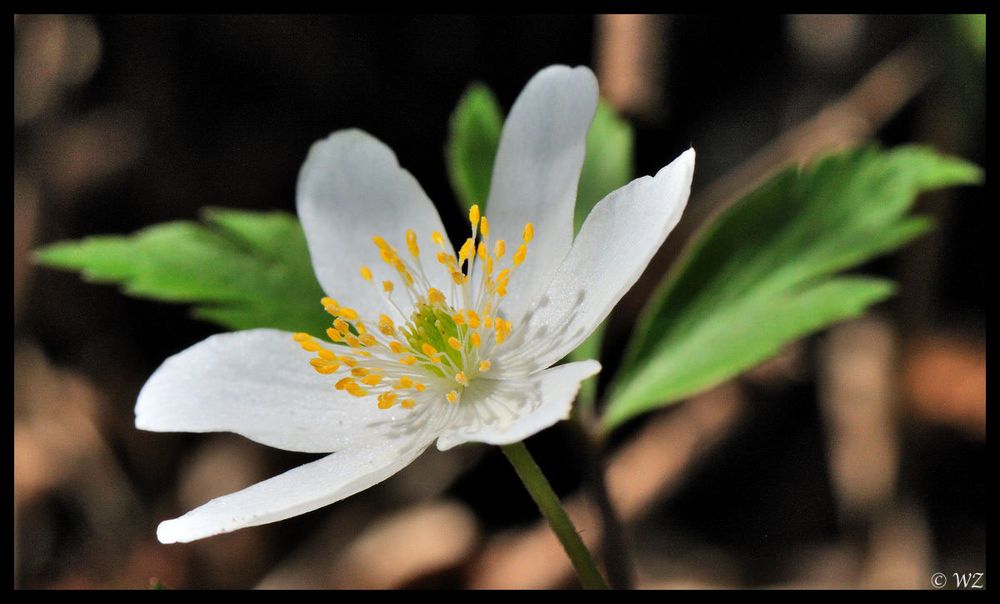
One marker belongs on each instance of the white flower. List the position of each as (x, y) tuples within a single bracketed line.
[(430, 345)]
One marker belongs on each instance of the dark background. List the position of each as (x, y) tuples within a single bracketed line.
[(124, 122)]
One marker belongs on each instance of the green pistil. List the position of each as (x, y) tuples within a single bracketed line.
[(433, 325)]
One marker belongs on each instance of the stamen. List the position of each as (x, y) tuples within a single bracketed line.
[(474, 215), (519, 255), (437, 339), (411, 243)]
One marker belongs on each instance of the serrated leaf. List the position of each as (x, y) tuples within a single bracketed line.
[(764, 272), (473, 138), (239, 269)]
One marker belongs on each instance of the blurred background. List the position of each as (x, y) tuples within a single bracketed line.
[(857, 458)]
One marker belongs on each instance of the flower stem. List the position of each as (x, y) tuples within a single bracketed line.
[(550, 506)]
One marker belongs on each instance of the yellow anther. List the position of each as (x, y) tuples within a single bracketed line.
[(411, 242), (349, 361), (323, 367), (437, 238), (386, 400), (474, 215), (310, 345), (386, 326), (500, 248), (458, 277), (352, 341), (481, 250), (348, 313), (458, 318), (342, 383), (473, 318), (519, 255), (408, 360), (468, 248), (489, 265), (428, 349), (404, 382), (435, 296), (342, 326), (372, 379), (476, 341), (452, 397), (387, 256), (484, 366), (420, 387), (301, 337), (368, 339), (334, 335), (461, 378), (455, 343), (484, 227), (408, 403), (387, 287), (382, 245), (359, 372), (488, 322), (355, 390), (328, 302), (529, 233), (396, 347), (407, 278), (366, 273), (446, 259), (326, 355)]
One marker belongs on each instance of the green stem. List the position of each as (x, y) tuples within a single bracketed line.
[(550, 506)]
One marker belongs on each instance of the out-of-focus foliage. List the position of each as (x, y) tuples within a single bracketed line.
[(473, 136), (766, 271), (974, 28), (608, 164), (240, 269)]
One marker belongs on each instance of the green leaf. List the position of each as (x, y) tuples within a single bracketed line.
[(239, 269), (608, 164), (473, 137), (973, 28), (765, 271)]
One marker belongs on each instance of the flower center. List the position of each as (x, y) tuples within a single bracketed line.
[(444, 343)]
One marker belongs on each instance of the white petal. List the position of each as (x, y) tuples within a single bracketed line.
[(535, 175), (257, 383), (617, 241), (350, 189), (297, 491), (501, 412)]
